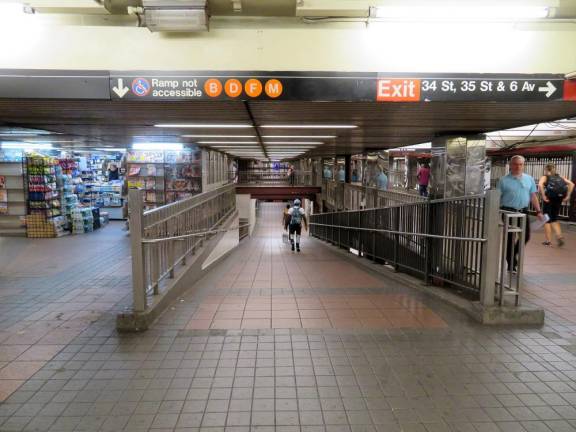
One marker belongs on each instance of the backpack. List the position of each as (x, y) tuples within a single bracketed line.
[(296, 218), (556, 187)]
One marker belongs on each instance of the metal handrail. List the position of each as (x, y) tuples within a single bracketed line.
[(199, 234), (475, 239)]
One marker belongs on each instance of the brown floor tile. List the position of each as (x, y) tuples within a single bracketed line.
[(226, 324), (196, 324), (20, 370), (313, 313), (316, 323), (7, 387), (344, 323), (341, 313), (229, 314), (11, 352), (41, 352), (292, 313), (204, 315), (251, 314), (255, 323), (375, 323), (286, 323)]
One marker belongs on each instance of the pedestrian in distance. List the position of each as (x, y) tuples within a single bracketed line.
[(423, 177), (517, 191), (297, 217), (554, 190)]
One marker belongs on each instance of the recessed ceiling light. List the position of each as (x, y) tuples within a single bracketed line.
[(157, 146), (311, 126), (294, 143), (299, 136), (218, 136), (202, 126), (227, 142)]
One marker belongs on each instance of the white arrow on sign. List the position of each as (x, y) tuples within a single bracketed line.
[(120, 90), (549, 89)]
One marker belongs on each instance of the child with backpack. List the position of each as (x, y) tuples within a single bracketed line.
[(297, 216), (554, 189)]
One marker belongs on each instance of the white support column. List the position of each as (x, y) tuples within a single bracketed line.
[(136, 206), (491, 250)]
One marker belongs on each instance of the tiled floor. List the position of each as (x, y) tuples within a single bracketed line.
[(303, 342)]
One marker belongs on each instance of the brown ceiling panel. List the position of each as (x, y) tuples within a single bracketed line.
[(380, 126)]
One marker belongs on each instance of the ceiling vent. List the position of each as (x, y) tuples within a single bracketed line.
[(174, 15)]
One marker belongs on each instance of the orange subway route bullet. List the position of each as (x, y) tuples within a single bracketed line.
[(233, 88), (273, 88), (213, 87), (253, 87)]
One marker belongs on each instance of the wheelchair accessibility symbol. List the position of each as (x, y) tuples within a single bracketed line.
[(140, 87)]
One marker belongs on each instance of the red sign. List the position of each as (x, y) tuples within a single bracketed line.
[(570, 90), (398, 90)]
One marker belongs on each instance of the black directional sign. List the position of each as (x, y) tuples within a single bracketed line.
[(305, 86), (327, 86)]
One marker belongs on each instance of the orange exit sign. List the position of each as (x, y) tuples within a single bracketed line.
[(398, 90)]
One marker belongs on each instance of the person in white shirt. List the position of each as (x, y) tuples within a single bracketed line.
[(297, 216)]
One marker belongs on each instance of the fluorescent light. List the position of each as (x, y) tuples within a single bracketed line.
[(310, 126), (218, 136), (26, 146), (11, 8), (450, 12), (227, 142), (294, 143), (202, 126), (51, 141), (157, 146), (299, 136)]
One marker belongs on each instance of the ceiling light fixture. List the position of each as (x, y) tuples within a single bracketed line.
[(309, 126), (217, 136), (299, 136), (111, 149), (227, 142), (206, 126), (294, 143)]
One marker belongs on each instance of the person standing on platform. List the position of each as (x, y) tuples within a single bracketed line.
[(297, 216), (423, 177), (554, 190), (382, 180), (517, 191), (341, 174)]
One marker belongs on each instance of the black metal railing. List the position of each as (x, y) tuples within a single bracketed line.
[(438, 240)]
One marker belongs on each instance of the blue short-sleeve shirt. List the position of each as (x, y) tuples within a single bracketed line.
[(516, 191)]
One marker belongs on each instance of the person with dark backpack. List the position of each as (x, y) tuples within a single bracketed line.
[(297, 216), (554, 189)]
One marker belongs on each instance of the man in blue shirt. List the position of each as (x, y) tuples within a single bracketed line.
[(382, 180), (517, 191)]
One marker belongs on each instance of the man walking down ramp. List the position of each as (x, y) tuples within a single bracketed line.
[(297, 216)]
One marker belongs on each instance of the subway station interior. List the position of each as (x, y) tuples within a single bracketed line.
[(288, 215)]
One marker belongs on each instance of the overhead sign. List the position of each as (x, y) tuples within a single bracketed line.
[(303, 86), (328, 86)]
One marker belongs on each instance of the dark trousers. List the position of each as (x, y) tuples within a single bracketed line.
[(516, 245), (423, 189)]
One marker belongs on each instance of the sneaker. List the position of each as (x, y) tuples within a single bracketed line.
[(297, 248), (546, 243), (292, 247), (561, 242)]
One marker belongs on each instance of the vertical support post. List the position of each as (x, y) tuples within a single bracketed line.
[(396, 237), (136, 205), (427, 241), (491, 249)]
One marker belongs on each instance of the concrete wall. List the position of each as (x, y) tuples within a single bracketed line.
[(35, 41)]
